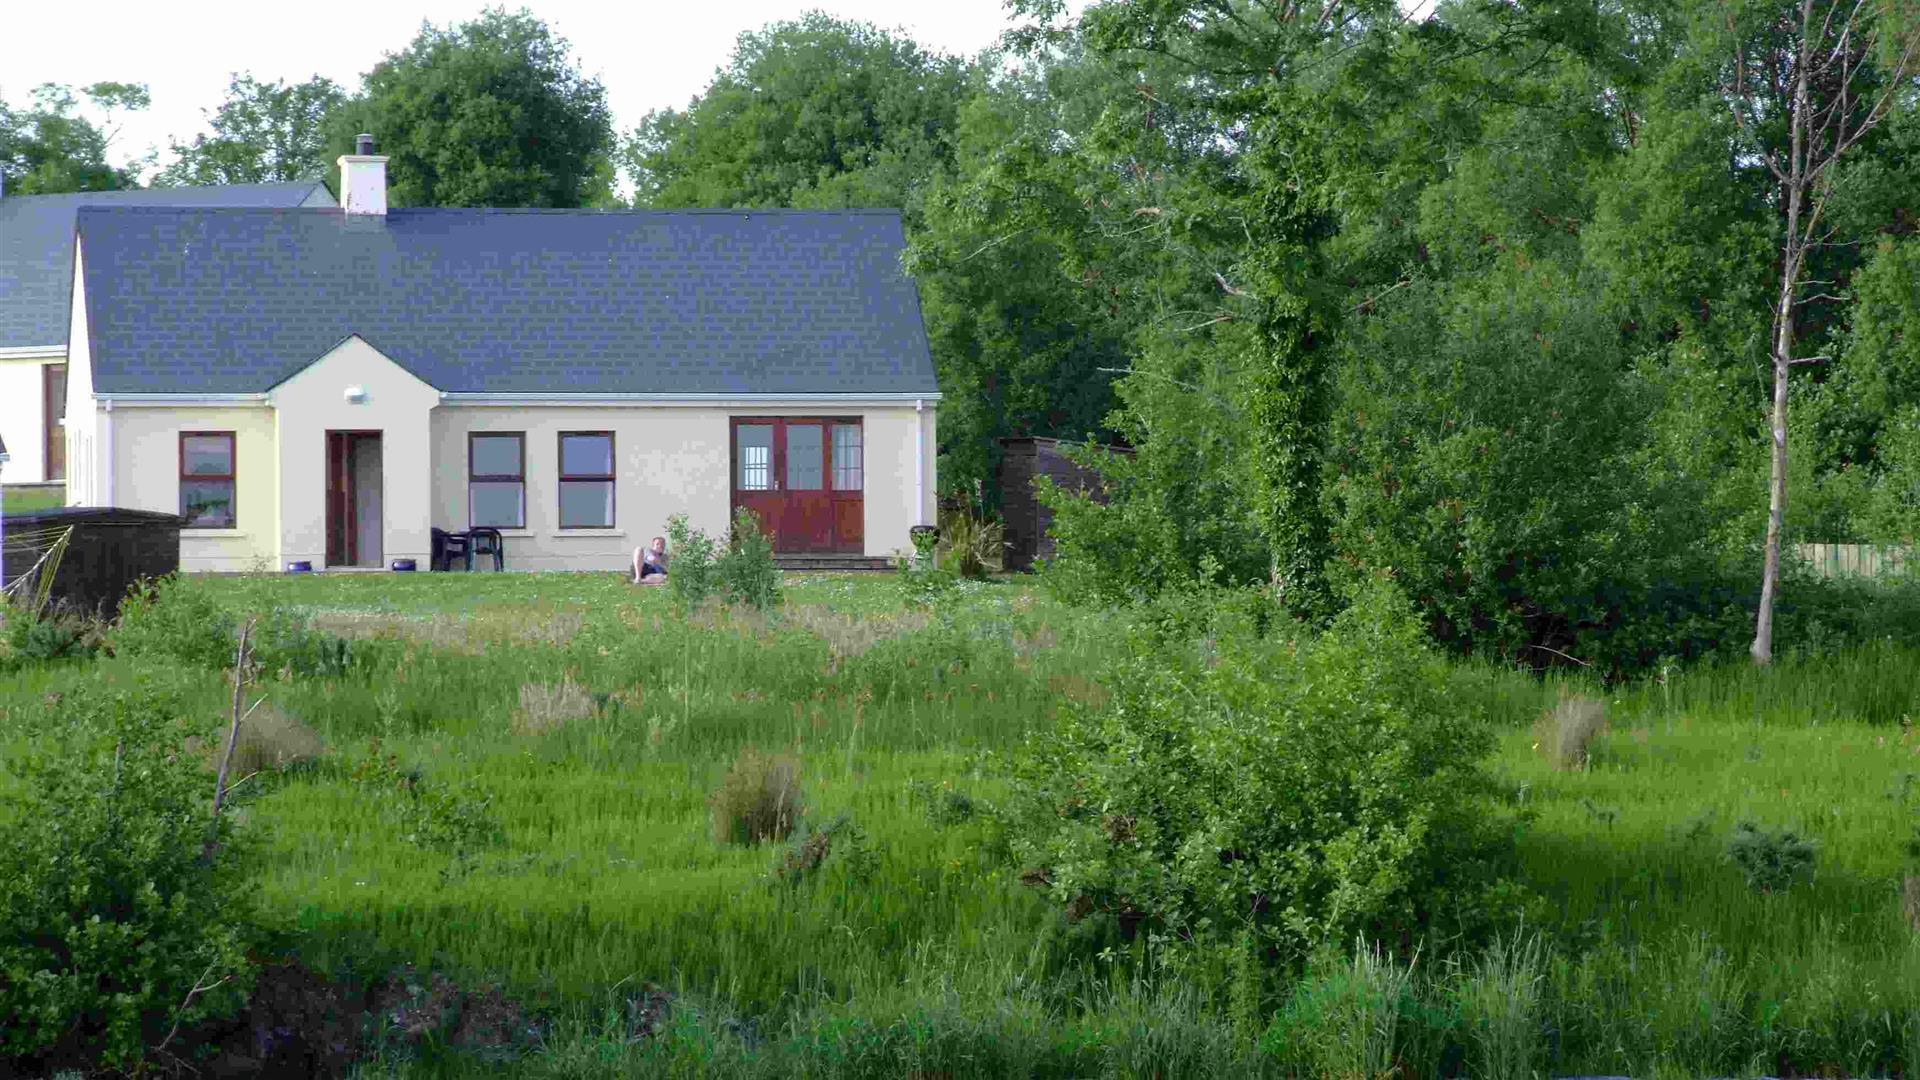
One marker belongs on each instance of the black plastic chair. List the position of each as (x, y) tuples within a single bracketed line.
[(484, 541), (447, 545)]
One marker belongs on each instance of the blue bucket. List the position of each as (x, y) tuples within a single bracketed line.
[(300, 566), (401, 565)]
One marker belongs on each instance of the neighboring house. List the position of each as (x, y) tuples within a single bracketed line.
[(330, 385), (36, 272)]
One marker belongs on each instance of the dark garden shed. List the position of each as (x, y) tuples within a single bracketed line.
[(107, 551), (1025, 459)]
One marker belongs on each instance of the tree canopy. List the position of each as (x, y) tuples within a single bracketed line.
[(49, 147), (263, 132)]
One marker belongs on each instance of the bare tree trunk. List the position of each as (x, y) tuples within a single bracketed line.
[(1792, 254)]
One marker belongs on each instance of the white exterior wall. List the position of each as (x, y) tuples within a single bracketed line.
[(147, 477), (669, 459), (86, 419), (395, 404), (23, 420)]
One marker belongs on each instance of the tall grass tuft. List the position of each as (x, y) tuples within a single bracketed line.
[(1343, 1019), (1499, 1003), (548, 707), (759, 800), (270, 740), (1565, 733)]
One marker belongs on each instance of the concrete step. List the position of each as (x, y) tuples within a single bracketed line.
[(828, 563)]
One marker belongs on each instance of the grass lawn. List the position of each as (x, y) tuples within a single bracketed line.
[(21, 500), (586, 727)]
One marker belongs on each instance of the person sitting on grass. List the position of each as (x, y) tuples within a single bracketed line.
[(650, 562)]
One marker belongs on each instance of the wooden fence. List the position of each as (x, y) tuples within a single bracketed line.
[(1858, 560)]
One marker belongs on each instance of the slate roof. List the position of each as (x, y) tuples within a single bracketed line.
[(507, 301), (36, 247)]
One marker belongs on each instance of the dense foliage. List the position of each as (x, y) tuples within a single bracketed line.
[(490, 112), (121, 911), (1199, 806), (262, 133)]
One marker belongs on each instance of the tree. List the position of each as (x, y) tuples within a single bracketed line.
[(817, 112), (50, 148), (491, 112), (1810, 81), (263, 132)]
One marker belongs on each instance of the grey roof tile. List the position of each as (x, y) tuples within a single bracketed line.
[(513, 301), (36, 246)]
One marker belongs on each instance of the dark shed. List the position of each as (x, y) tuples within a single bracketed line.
[(109, 550), (1024, 459)]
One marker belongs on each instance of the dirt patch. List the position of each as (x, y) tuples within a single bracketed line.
[(301, 1023)]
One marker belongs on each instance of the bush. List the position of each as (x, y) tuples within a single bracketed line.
[(746, 572), (169, 620), (742, 570), (109, 914), (1342, 1019), (1771, 860), (759, 800), (691, 575), (1304, 789)]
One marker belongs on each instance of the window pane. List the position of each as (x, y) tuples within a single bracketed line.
[(586, 504), (207, 504), (496, 455), (753, 449), (847, 461), (586, 455), (206, 455), (499, 503), (806, 457)]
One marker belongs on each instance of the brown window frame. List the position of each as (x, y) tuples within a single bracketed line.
[(610, 478), (231, 477), (497, 478)]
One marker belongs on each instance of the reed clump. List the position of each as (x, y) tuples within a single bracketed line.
[(759, 799), (1565, 732)]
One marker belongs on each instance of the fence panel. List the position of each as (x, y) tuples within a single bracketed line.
[(1857, 560)]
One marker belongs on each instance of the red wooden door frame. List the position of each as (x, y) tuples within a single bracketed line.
[(343, 509), (803, 521)]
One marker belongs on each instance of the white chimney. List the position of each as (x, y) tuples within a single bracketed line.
[(363, 179)]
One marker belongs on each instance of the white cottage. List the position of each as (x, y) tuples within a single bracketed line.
[(331, 385)]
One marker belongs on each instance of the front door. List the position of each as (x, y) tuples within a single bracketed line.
[(803, 477), (354, 489)]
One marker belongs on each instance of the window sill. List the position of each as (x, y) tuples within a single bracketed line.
[(507, 534), (213, 534), (602, 533)]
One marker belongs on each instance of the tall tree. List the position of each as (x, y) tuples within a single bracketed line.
[(491, 112), (815, 112), (1810, 80), (263, 132), (50, 147)]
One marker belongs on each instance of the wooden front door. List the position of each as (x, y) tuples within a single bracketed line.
[(354, 518), (803, 477)]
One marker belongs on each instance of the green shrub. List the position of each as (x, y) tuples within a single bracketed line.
[(1302, 789), (109, 914), (691, 576), (840, 841), (423, 809), (48, 637), (745, 572), (286, 641), (1771, 860), (170, 620), (759, 799)]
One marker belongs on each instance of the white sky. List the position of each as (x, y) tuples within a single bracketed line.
[(648, 53)]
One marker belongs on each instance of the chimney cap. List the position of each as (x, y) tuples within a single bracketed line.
[(363, 144)]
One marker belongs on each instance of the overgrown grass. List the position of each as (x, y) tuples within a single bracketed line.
[(587, 727)]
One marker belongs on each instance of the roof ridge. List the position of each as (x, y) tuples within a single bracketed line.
[(858, 211)]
